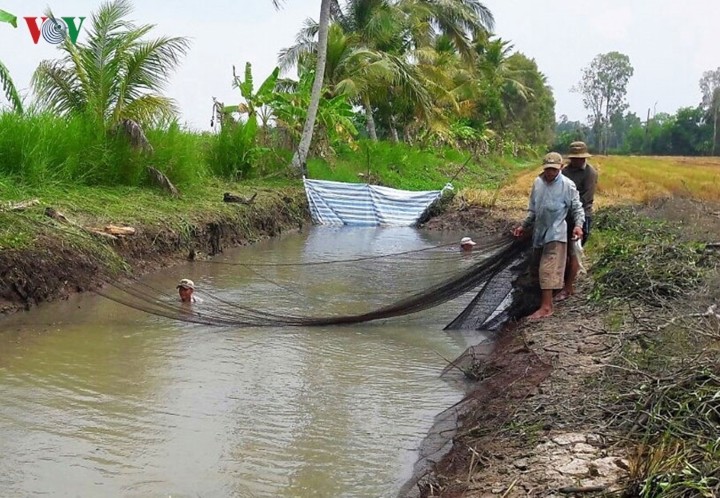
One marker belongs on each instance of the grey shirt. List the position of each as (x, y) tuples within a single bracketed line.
[(585, 179), (549, 205)]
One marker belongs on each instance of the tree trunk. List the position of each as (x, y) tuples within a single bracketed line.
[(717, 105), (606, 128), (407, 138), (394, 135), (646, 140), (300, 157), (393, 130), (370, 120)]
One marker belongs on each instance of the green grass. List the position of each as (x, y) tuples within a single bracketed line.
[(232, 153), (405, 167), (40, 149), (660, 389), (136, 206)]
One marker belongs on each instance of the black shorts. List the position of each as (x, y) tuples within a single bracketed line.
[(586, 229)]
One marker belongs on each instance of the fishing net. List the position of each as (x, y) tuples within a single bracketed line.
[(496, 264)]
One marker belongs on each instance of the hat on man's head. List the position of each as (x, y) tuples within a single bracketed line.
[(186, 283), (552, 160), (466, 241), (578, 149)]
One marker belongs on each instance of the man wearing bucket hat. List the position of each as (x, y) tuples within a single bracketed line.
[(553, 197), (185, 288), (585, 178)]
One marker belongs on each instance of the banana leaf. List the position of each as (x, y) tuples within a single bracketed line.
[(8, 18)]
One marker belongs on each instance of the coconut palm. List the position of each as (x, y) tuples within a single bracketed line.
[(365, 43), (116, 75), (496, 66), (300, 157), (461, 21), (9, 89), (499, 77), (351, 69), (453, 84), (379, 24)]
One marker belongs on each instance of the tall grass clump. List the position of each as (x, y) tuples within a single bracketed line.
[(180, 154), (43, 148), (232, 152)]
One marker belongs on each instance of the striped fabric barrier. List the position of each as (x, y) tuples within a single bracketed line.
[(360, 204)]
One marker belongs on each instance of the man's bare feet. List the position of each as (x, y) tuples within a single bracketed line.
[(541, 313), (563, 295)]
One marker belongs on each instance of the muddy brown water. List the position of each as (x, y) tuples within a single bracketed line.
[(102, 400)]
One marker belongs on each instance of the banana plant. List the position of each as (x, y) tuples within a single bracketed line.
[(256, 102), (8, 18), (335, 114)]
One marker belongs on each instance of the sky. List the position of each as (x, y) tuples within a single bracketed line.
[(670, 44)]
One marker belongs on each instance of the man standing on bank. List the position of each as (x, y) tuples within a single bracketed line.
[(553, 198), (585, 178)]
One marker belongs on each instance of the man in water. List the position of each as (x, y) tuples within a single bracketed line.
[(585, 178), (467, 244), (553, 197), (185, 288)]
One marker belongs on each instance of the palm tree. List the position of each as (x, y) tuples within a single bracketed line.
[(9, 89), (452, 82), (351, 69), (300, 157), (402, 30), (461, 21), (116, 75), (499, 76), (365, 42), (386, 31)]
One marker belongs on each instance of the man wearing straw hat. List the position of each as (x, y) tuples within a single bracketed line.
[(585, 178), (553, 198)]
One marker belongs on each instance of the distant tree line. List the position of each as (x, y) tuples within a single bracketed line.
[(611, 129)]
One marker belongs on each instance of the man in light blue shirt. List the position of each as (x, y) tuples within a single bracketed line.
[(553, 197)]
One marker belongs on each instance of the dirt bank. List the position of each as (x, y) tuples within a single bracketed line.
[(519, 432), (63, 260), (551, 413)]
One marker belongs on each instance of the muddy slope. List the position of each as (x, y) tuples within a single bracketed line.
[(55, 267)]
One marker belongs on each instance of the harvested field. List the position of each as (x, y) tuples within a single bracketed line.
[(623, 180)]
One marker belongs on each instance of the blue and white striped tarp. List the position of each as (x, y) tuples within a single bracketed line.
[(360, 204)]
